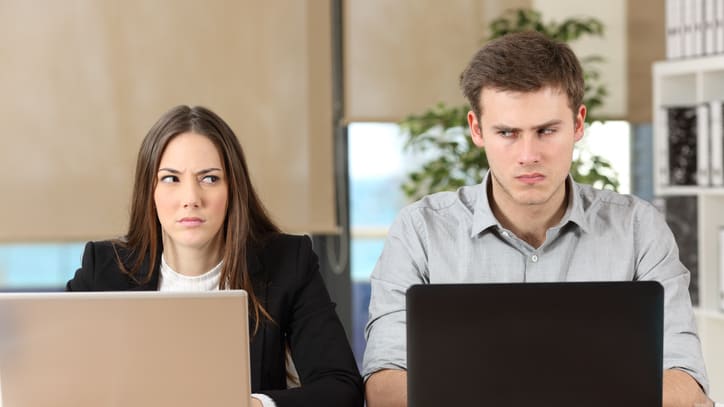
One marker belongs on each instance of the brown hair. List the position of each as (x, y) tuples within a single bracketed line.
[(523, 62), (247, 223)]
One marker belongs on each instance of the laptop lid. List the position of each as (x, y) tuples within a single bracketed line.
[(543, 344), (124, 349)]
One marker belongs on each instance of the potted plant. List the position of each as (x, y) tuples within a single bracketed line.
[(442, 136)]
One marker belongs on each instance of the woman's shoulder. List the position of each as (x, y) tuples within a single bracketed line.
[(102, 245), (113, 249), (100, 269), (101, 249), (282, 256), (280, 243)]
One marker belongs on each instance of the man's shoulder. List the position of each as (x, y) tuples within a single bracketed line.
[(591, 195), (456, 202), (594, 201)]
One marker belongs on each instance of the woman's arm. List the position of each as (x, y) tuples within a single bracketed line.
[(322, 356)]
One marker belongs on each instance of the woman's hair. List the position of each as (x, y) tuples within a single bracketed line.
[(246, 224)]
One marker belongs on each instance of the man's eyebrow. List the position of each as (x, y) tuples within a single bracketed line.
[(549, 123), (503, 127)]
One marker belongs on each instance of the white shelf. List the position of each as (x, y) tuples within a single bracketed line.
[(682, 82), (691, 191), (691, 82), (710, 315)]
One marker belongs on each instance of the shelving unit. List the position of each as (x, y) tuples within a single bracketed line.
[(691, 82)]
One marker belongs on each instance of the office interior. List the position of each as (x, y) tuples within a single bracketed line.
[(84, 80)]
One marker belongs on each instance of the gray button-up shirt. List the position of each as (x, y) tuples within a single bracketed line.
[(453, 237)]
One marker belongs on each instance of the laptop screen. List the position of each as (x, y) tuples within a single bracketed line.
[(124, 349), (521, 344)]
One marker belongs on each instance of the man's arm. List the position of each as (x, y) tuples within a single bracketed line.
[(402, 264), (658, 260), (387, 388), (681, 390)]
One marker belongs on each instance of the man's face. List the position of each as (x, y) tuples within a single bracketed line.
[(528, 139)]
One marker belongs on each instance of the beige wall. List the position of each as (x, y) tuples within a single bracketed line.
[(403, 57), (83, 80), (612, 46), (647, 44), (634, 38)]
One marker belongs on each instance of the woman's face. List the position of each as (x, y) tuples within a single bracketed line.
[(191, 194)]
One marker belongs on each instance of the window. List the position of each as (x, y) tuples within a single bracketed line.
[(39, 266)]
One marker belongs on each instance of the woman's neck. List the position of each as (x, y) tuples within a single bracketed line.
[(191, 261)]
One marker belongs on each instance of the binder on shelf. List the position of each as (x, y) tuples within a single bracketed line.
[(680, 131), (709, 27), (703, 175), (698, 27), (688, 28), (721, 268), (719, 26), (674, 29), (716, 133)]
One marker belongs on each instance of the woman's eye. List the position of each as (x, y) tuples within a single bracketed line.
[(209, 179), (169, 179)]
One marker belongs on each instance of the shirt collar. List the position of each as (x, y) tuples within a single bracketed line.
[(484, 219), (575, 212)]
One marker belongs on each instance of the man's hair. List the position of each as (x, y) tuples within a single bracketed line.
[(523, 62)]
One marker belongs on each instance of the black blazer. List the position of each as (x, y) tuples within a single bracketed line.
[(285, 274)]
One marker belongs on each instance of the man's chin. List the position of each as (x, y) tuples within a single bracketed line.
[(531, 199)]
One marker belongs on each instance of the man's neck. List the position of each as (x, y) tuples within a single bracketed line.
[(529, 222)]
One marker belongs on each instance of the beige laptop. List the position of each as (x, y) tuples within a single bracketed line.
[(124, 349)]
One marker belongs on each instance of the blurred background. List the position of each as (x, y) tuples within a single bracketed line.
[(314, 89)]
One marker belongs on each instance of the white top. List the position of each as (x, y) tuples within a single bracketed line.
[(170, 280)]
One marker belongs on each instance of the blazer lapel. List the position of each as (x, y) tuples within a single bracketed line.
[(139, 283)]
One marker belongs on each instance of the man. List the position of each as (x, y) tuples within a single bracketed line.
[(527, 221)]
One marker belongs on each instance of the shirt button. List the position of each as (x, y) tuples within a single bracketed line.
[(534, 258), (505, 234)]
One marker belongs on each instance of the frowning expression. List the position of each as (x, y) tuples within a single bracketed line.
[(191, 193), (528, 138)]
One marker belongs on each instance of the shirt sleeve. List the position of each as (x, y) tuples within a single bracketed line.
[(266, 401), (658, 259), (403, 262)]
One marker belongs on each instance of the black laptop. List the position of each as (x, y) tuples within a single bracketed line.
[(535, 344)]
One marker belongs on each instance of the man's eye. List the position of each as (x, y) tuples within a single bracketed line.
[(506, 133), (546, 131)]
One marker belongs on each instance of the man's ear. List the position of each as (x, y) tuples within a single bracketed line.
[(579, 126), (475, 132)]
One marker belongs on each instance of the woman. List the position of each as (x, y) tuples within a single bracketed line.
[(197, 224)]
